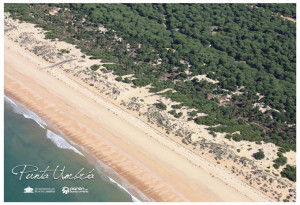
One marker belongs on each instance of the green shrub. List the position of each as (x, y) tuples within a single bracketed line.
[(178, 115), (206, 120), (172, 112), (161, 106), (259, 155), (175, 114), (118, 78), (289, 172), (64, 51), (193, 113), (95, 67), (276, 166), (127, 80), (281, 160), (179, 106), (213, 133)]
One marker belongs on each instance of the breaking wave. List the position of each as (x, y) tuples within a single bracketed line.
[(18, 108), (61, 142)]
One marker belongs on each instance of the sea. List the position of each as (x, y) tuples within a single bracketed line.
[(31, 146)]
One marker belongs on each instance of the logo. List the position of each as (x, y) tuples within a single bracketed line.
[(28, 190), (65, 190), (44, 190), (74, 190)]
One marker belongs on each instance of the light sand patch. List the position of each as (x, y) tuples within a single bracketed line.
[(203, 77), (288, 18)]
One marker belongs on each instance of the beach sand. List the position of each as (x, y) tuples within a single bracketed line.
[(156, 170)]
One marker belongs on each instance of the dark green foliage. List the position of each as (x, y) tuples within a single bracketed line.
[(193, 113), (119, 78), (276, 166), (175, 114), (280, 161), (213, 133), (282, 150), (50, 35), (127, 80), (246, 132), (178, 115), (259, 155), (288, 10), (172, 112), (179, 106), (206, 120), (95, 67), (62, 51), (289, 172), (161, 106)]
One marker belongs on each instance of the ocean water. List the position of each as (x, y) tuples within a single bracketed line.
[(29, 141)]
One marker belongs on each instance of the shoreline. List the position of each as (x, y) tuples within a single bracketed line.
[(106, 173), (196, 179)]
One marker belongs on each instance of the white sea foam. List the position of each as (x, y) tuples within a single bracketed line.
[(61, 142), (7, 99), (120, 186), (20, 109)]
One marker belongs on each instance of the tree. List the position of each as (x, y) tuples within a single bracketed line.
[(259, 155), (119, 78), (127, 80), (289, 172), (161, 106), (281, 160), (95, 67)]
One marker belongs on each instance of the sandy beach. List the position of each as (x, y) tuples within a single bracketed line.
[(157, 165)]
